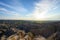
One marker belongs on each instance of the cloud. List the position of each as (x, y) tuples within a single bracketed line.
[(15, 5), (3, 10), (9, 14), (42, 9)]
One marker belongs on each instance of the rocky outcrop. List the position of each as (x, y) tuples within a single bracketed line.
[(21, 35)]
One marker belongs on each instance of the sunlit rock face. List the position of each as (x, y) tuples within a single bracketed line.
[(39, 38), (15, 37), (52, 37), (22, 35), (27, 37), (18, 36), (12, 37)]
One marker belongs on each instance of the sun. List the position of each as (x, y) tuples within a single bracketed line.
[(40, 16)]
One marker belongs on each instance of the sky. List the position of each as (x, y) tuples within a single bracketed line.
[(30, 9)]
